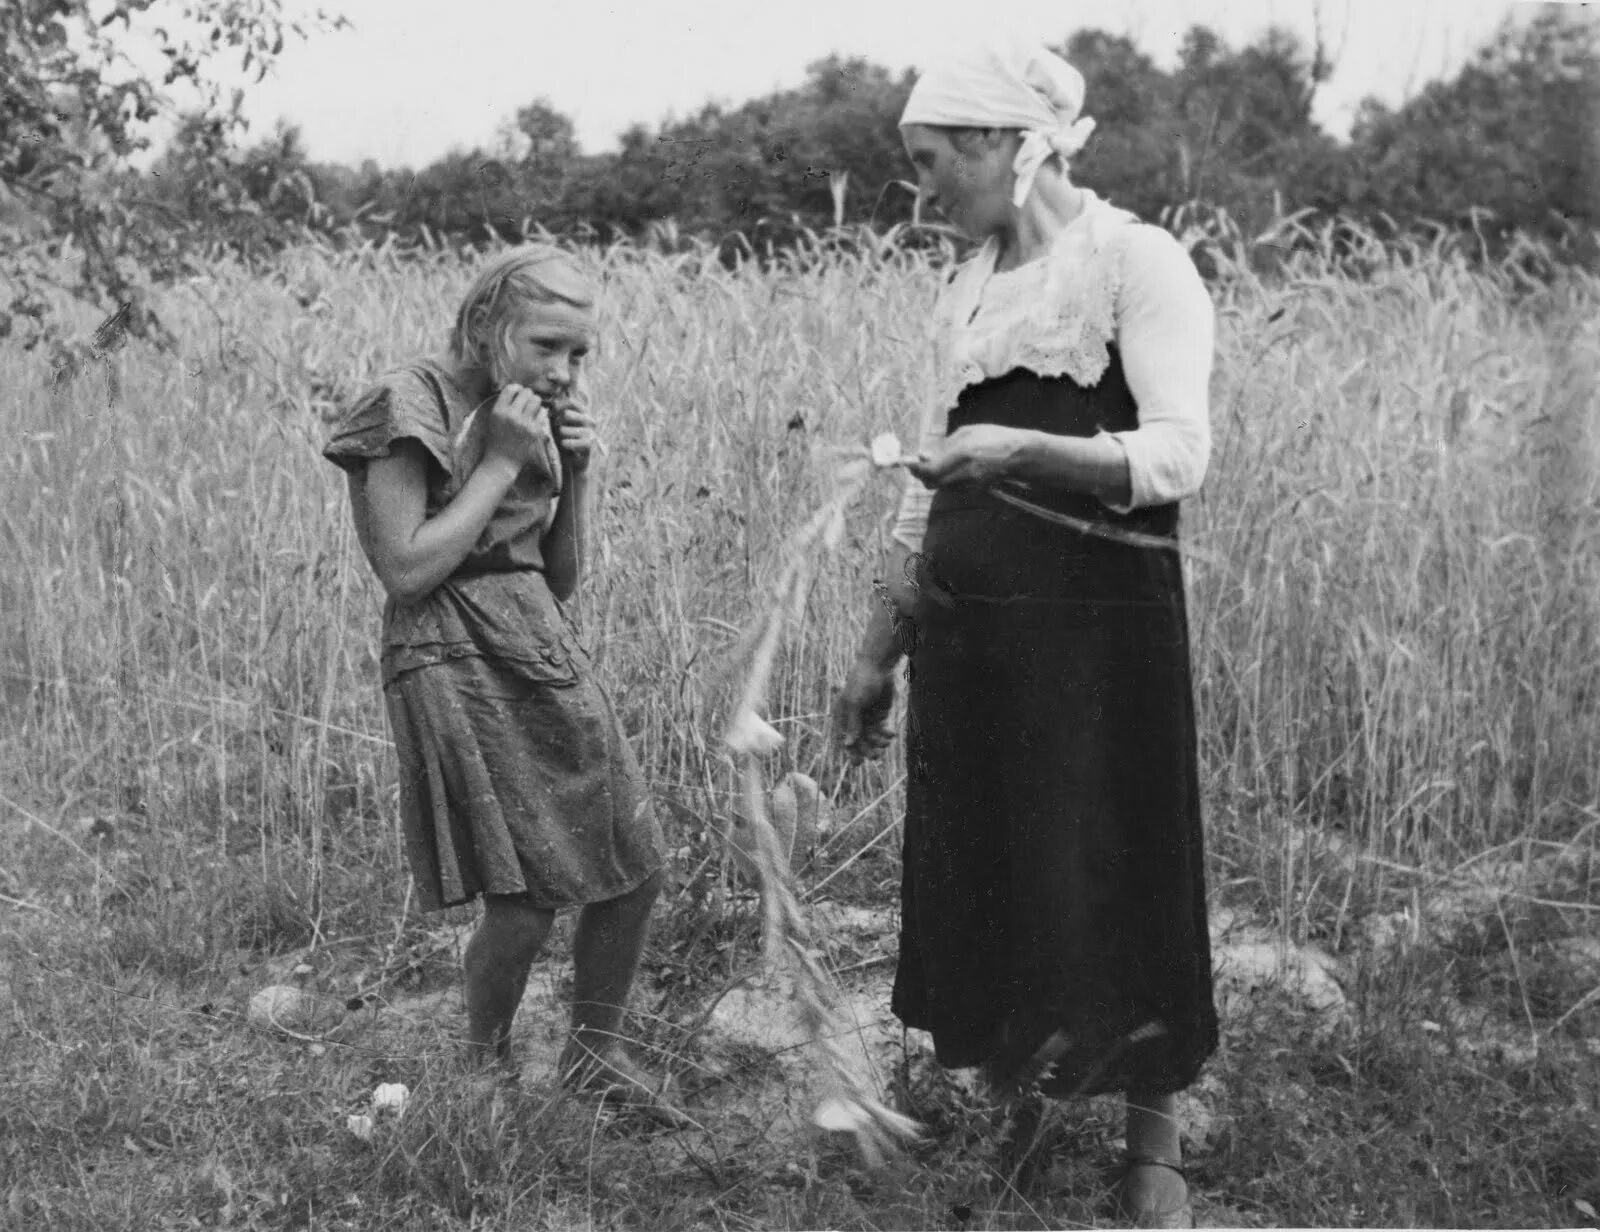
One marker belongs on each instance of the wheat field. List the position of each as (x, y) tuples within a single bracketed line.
[(1393, 595)]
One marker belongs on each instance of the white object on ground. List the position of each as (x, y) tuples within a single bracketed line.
[(391, 1097), (295, 1011)]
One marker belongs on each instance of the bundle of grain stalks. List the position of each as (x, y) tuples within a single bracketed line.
[(848, 1105)]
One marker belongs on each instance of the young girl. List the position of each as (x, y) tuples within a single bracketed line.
[(467, 479)]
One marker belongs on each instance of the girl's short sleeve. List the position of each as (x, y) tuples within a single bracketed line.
[(401, 406)]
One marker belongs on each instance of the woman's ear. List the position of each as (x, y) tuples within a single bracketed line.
[(998, 139)]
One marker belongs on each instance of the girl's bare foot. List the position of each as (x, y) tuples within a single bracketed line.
[(619, 1080)]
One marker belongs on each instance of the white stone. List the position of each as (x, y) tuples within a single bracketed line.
[(283, 1007), (391, 1097), (1246, 964), (763, 1014), (830, 919)]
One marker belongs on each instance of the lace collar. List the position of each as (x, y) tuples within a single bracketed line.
[(1054, 316)]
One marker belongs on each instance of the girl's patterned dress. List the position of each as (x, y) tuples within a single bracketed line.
[(515, 776)]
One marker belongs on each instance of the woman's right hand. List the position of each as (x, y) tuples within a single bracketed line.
[(519, 432), (861, 711)]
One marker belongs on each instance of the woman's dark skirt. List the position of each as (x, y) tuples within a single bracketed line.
[(1053, 859)]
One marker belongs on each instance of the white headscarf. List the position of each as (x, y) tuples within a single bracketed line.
[(1009, 84)]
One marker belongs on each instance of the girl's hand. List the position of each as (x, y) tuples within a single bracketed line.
[(519, 432), (576, 433), (979, 454)]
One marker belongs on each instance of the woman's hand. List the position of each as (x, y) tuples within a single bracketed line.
[(519, 432), (981, 455), (861, 711), (576, 433)]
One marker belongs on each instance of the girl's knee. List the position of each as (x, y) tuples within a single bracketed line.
[(642, 897), (630, 905), (515, 927)]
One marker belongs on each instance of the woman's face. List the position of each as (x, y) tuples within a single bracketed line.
[(544, 348), (968, 180)]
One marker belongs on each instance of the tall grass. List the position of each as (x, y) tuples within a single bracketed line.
[(1395, 629)]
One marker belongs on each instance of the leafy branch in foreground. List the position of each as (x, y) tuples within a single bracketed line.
[(78, 100)]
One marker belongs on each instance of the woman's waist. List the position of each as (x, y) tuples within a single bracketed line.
[(977, 547), (1049, 514)]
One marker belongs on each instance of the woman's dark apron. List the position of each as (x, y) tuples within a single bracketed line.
[(1054, 872)]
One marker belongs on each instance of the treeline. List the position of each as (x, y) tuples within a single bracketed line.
[(1506, 146)]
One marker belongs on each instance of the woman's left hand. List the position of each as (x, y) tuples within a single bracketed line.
[(577, 434), (979, 454)]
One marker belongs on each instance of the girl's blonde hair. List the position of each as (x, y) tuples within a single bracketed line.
[(532, 274)]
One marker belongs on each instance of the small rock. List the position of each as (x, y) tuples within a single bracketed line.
[(1476, 894), (391, 1097), (1248, 964), (1581, 954), (1391, 929), (285, 1008), (830, 919), (765, 1015), (761, 1014)]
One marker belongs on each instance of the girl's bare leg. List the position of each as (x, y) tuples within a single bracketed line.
[(605, 957), (508, 939), (1152, 1133)]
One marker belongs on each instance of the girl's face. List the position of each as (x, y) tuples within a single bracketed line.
[(544, 348), (969, 181)]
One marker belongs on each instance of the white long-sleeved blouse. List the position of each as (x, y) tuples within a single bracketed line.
[(1107, 278)]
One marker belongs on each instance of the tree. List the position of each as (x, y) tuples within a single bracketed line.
[(543, 155), (539, 136), (795, 159), (1130, 157), (1508, 145), (74, 109), (1229, 128)]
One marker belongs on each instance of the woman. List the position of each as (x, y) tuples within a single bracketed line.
[(1054, 920)]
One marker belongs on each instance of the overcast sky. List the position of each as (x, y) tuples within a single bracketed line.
[(413, 78)]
